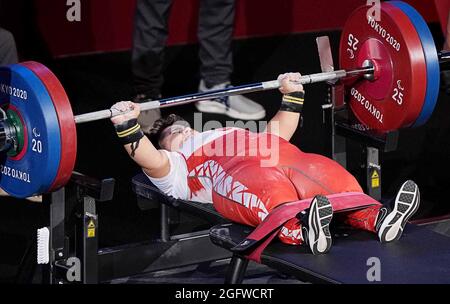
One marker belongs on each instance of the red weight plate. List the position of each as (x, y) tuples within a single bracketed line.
[(395, 97), (65, 119)]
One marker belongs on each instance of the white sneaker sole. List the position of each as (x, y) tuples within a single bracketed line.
[(406, 204), (219, 108), (320, 215)]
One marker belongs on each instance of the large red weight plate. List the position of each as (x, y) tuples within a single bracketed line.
[(65, 119), (395, 97)]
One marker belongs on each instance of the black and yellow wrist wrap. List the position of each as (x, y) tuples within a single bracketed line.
[(293, 102), (129, 131)]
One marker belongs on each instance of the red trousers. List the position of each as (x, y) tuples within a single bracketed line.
[(245, 190)]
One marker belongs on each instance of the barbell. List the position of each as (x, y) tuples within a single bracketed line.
[(389, 67)]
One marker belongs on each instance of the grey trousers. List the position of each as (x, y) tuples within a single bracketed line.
[(447, 38), (215, 30), (8, 51)]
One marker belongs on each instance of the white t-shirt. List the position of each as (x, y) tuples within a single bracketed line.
[(175, 182)]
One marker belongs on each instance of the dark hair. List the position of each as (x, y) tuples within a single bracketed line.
[(160, 124)]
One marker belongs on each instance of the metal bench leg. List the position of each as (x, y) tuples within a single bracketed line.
[(236, 270), (165, 228)]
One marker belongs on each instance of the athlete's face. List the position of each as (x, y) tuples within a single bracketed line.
[(173, 137)]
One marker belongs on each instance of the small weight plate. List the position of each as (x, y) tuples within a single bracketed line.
[(431, 57)]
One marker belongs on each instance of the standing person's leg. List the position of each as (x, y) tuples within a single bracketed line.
[(215, 33), (8, 51), (447, 38), (445, 75), (149, 39)]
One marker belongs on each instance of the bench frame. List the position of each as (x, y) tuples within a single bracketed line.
[(72, 220)]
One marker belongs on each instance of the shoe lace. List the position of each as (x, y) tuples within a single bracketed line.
[(224, 99)]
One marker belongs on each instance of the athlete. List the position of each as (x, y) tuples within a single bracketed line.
[(245, 174)]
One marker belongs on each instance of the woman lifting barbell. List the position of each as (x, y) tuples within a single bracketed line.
[(199, 166)]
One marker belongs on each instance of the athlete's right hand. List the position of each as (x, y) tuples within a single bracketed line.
[(287, 84), (124, 111)]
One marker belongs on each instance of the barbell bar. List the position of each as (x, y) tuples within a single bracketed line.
[(8, 133), (228, 91)]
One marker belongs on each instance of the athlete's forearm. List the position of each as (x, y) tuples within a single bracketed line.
[(284, 124), (153, 161)]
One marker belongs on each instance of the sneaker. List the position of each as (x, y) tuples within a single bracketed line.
[(237, 107), (406, 204), (147, 118), (316, 224)]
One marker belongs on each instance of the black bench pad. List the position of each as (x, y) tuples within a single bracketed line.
[(144, 188), (420, 256)]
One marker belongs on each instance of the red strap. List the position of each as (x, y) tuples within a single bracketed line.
[(271, 225), (255, 255)]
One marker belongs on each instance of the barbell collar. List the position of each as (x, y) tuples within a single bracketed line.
[(7, 135)]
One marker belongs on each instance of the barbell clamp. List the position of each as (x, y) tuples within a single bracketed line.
[(7, 133)]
